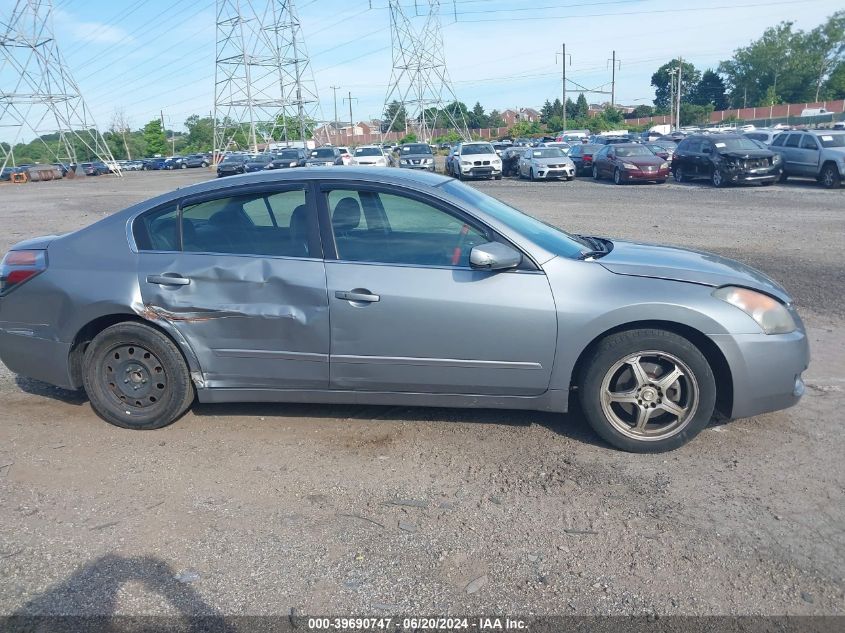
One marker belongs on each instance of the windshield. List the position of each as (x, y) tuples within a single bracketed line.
[(368, 151), (832, 140), (416, 149), (327, 152), (731, 144), (633, 150), (547, 152), (261, 158), (479, 148), (546, 236), (289, 155), (233, 159)]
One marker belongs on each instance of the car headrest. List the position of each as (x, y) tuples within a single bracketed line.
[(347, 214), (299, 221)]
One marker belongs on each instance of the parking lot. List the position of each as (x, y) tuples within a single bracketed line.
[(260, 509)]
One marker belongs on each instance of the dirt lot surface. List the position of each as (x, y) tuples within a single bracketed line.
[(336, 509)]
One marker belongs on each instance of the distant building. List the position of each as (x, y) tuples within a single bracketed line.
[(512, 116)]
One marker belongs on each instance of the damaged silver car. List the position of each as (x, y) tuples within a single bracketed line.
[(379, 286)]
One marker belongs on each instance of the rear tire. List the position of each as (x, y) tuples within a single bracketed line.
[(136, 378), (611, 371)]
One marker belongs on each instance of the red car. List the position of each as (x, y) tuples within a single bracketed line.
[(582, 156), (628, 162)]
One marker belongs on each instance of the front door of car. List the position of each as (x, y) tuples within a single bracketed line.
[(241, 277), (408, 313), (807, 155)]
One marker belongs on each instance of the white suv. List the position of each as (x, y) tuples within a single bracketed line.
[(474, 160)]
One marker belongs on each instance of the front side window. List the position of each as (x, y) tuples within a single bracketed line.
[(269, 224), (389, 228), (794, 140), (808, 142)]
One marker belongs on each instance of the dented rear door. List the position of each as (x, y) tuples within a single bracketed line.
[(254, 320)]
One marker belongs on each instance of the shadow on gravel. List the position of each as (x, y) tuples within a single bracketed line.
[(38, 388), (571, 425), (88, 600)]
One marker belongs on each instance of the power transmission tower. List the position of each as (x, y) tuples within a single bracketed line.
[(37, 92), (420, 82), (264, 88)]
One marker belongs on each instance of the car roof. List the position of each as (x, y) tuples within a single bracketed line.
[(822, 132)]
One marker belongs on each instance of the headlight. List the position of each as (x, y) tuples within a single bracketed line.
[(404, 161), (665, 165), (776, 159), (497, 161), (428, 161), (466, 163), (629, 166), (771, 315), (292, 163), (268, 166)]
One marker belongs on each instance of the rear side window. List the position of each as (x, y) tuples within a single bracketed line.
[(270, 224)]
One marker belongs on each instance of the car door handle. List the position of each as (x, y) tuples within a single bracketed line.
[(168, 279), (364, 296)]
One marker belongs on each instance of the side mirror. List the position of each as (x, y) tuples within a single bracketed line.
[(494, 256)]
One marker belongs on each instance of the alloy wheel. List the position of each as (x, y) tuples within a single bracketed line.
[(649, 395)]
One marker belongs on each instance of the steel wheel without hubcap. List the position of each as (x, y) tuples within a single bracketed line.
[(135, 377), (649, 395)]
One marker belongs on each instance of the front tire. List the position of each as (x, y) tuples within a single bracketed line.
[(647, 391), (617, 176), (595, 173), (830, 177), (679, 175), (717, 178), (136, 378)]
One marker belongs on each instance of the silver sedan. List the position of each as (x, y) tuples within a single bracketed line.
[(394, 287), (545, 163)]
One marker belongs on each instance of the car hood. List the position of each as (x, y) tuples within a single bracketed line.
[(416, 156), (552, 161), (679, 264), (475, 157)]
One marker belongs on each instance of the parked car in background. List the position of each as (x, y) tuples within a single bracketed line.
[(62, 168), (370, 156), (101, 167), (510, 160), (664, 149), (564, 147), (346, 155), (173, 162), (89, 169), (725, 159), (764, 135), (474, 160), (288, 158), (231, 165), (545, 163), (133, 165), (416, 156), (818, 154), (324, 157), (629, 162), (257, 163), (419, 290), (195, 160), (154, 164), (581, 156), (8, 171)]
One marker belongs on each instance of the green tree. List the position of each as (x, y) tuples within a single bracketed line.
[(571, 109), (692, 114), (476, 118), (200, 136), (582, 108), (154, 139), (395, 113), (546, 112), (642, 111), (662, 86), (711, 89), (496, 119)]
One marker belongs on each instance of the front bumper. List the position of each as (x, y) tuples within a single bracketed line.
[(766, 370), (419, 166), (484, 171), (761, 174), (553, 173), (644, 175)]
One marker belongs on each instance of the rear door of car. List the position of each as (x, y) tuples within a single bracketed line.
[(408, 313), (239, 273)]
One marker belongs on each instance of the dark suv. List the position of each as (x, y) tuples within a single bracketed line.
[(724, 159)]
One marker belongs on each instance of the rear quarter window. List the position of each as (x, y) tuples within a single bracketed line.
[(157, 230)]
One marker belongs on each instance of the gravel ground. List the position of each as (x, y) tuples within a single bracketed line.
[(258, 509)]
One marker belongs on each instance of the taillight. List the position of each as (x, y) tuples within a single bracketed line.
[(20, 266)]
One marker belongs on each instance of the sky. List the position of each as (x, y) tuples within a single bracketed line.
[(148, 56)]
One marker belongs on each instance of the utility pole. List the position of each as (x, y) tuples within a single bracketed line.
[(672, 99), (563, 79), (614, 62), (335, 89), (680, 73), (351, 120)]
